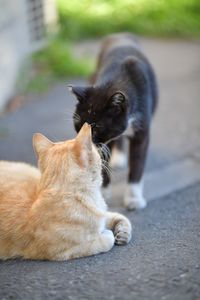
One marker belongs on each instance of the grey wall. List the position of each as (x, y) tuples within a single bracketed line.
[(14, 44), (17, 39)]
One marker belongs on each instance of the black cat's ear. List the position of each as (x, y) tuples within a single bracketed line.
[(118, 100), (80, 92)]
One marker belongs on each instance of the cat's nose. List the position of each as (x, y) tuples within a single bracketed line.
[(93, 125)]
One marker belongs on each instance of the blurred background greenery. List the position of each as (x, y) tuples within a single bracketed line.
[(91, 19), (94, 18)]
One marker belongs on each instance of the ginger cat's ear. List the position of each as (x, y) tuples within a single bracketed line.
[(85, 136), (41, 143)]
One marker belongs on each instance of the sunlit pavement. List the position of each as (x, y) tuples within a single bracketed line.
[(162, 261)]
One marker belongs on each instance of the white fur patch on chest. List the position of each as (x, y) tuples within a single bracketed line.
[(129, 132)]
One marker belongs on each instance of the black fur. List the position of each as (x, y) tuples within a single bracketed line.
[(123, 91)]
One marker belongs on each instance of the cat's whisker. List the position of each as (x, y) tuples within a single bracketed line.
[(71, 119), (69, 113), (76, 115), (104, 150), (73, 114), (75, 119), (106, 165), (104, 146), (71, 110), (100, 152), (102, 157), (106, 170), (68, 119)]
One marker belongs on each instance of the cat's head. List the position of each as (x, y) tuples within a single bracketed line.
[(103, 107), (69, 162)]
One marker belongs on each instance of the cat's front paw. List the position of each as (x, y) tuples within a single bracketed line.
[(122, 232), (108, 239), (133, 197)]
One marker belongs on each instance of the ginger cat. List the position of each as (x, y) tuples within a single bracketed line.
[(57, 212)]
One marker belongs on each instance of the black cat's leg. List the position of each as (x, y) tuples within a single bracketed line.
[(118, 156), (137, 156)]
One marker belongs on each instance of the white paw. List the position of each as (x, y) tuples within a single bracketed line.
[(118, 159), (132, 203), (109, 239), (134, 198), (122, 232), (106, 192)]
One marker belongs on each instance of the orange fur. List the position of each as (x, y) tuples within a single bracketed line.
[(57, 212)]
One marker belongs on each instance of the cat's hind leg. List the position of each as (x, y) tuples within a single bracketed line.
[(121, 227)]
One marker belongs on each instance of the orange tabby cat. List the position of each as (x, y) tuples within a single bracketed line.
[(57, 213)]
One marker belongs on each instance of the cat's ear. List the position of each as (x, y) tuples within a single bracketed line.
[(41, 143), (118, 100), (80, 92), (84, 136)]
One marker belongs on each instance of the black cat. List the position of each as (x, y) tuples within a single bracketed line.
[(122, 94)]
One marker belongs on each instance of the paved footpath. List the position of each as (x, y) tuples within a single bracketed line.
[(163, 259)]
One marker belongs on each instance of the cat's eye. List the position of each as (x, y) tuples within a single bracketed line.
[(89, 112)]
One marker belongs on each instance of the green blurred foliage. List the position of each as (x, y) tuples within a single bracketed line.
[(55, 61), (94, 18), (80, 19)]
